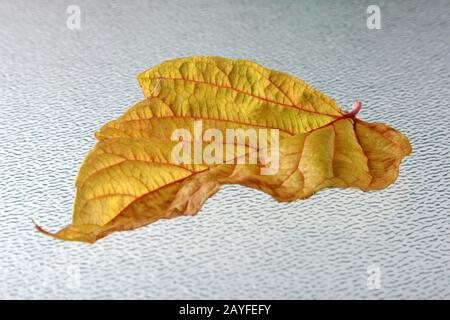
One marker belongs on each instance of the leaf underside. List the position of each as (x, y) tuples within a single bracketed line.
[(128, 179)]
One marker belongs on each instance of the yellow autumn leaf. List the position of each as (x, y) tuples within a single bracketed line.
[(131, 178)]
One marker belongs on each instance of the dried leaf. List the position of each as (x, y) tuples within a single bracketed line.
[(129, 179)]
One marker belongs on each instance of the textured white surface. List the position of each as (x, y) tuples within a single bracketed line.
[(58, 86)]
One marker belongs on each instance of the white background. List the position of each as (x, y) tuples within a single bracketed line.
[(58, 86)]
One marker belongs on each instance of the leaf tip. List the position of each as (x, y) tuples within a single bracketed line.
[(41, 230), (66, 234)]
